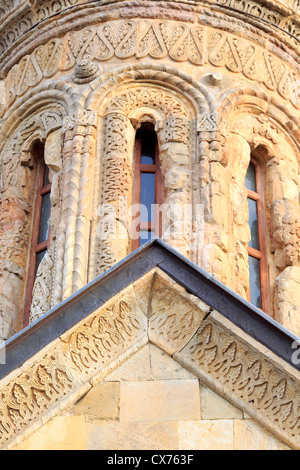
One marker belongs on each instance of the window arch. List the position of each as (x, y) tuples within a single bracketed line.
[(40, 237), (147, 186), (258, 292)]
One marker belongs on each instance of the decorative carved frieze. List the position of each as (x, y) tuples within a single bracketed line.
[(218, 355), (32, 392), (116, 183), (174, 129), (281, 17), (156, 98), (99, 341), (126, 39)]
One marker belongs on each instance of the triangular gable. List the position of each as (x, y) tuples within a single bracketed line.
[(154, 295)]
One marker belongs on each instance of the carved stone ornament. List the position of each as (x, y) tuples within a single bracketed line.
[(156, 309), (128, 39), (281, 17), (85, 71), (80, 118)]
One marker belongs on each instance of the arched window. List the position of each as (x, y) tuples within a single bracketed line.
[(147, 186), (40, 227), (258, 293)]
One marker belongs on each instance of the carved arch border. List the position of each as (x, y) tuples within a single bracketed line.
[(32, 118), (177, 126), (256, 120)]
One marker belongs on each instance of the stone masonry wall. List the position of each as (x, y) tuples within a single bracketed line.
[(151, 403)]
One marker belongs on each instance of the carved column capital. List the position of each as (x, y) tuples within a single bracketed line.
[(81, 118), (173, 129), (211, 128)]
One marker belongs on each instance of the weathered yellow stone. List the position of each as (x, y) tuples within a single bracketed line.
[(150, 363), (140, 435), (101, 402), (61, 433), (163, 400), (250, 436), (215, 407), (205, 435)]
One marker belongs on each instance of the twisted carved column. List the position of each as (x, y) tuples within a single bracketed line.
[(73, 239)]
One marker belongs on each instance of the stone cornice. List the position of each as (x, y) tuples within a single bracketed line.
[(33, 23)]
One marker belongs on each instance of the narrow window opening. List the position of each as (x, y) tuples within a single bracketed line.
[(40, 237), (147, 186), (258, 292)]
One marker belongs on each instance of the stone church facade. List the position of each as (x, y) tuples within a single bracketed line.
[(211, 90)]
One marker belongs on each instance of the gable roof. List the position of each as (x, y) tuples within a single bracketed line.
[(156, 295), (155, 253)]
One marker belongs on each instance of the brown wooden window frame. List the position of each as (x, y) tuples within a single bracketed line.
[(140, 168), (36, 247), (261, 254)]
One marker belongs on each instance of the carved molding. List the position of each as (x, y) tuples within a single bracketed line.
[(81, 118), (127, 39), (230, 362), (37, 126), (111, 239), (157, 98), (22, 16), (154, 309)]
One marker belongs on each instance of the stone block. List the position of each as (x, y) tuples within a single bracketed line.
[(215, 407), (143, 435), (205, 435), (287, 296), (101, 402), (61, 433), (249, 436), (150, 363), (167, 400)]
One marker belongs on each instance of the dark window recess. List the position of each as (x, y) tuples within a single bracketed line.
[(147, 187), (258, 293), (40, 227), (255, 282)]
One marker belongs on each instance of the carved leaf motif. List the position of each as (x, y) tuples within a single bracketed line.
[(32, 392), (225, 54), (239, 371), (151, 41)]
